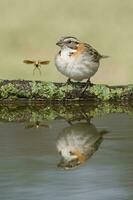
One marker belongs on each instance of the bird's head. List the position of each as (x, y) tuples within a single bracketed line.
[(68, 42), (71, 164)]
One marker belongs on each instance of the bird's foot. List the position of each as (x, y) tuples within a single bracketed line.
[(68, 82), (88, 84)]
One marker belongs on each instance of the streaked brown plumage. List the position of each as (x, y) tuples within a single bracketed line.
[(77, 60)]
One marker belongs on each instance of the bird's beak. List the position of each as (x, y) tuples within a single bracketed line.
[(59, 43)]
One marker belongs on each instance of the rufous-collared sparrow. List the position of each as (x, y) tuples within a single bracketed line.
[(77, 60)]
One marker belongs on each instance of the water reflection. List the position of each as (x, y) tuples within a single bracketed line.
[(37, 124), (77, 143), (29, 157)]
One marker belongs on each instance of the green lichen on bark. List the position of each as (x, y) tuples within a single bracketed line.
[(48, 91), (107, 93), (42, 90), (8, 90)]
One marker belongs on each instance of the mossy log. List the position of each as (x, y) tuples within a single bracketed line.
[(39, 91)]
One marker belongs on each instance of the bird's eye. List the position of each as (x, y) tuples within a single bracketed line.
[(71, 153), (69, 41)]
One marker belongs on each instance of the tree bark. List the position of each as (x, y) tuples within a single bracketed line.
[(39, 91)]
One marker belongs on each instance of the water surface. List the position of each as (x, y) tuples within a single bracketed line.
[(30, 162)]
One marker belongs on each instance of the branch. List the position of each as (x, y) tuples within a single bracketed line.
[(39, 91)]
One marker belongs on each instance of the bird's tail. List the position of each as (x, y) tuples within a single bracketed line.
[(104, 56)]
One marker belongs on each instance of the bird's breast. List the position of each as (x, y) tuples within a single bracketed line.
[(77, 66)]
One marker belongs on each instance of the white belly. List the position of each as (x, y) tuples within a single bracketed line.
[(77, 69)]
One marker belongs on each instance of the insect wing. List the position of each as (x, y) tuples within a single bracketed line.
[(29, 61), (44, 62)]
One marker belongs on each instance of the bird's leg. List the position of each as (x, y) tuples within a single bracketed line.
[(85, 116), (69, 81), (88, 83)]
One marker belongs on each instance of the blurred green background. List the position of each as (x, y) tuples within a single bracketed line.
[(30, 29)]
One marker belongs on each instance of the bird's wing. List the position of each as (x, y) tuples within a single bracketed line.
[(93, 53)]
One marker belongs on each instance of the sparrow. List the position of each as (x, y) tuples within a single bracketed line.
[(77, 60), (37, 64)]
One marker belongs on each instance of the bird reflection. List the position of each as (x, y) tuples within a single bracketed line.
[(77, 143)]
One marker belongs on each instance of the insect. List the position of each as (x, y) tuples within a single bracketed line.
[(37, 64), (36, 124)]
